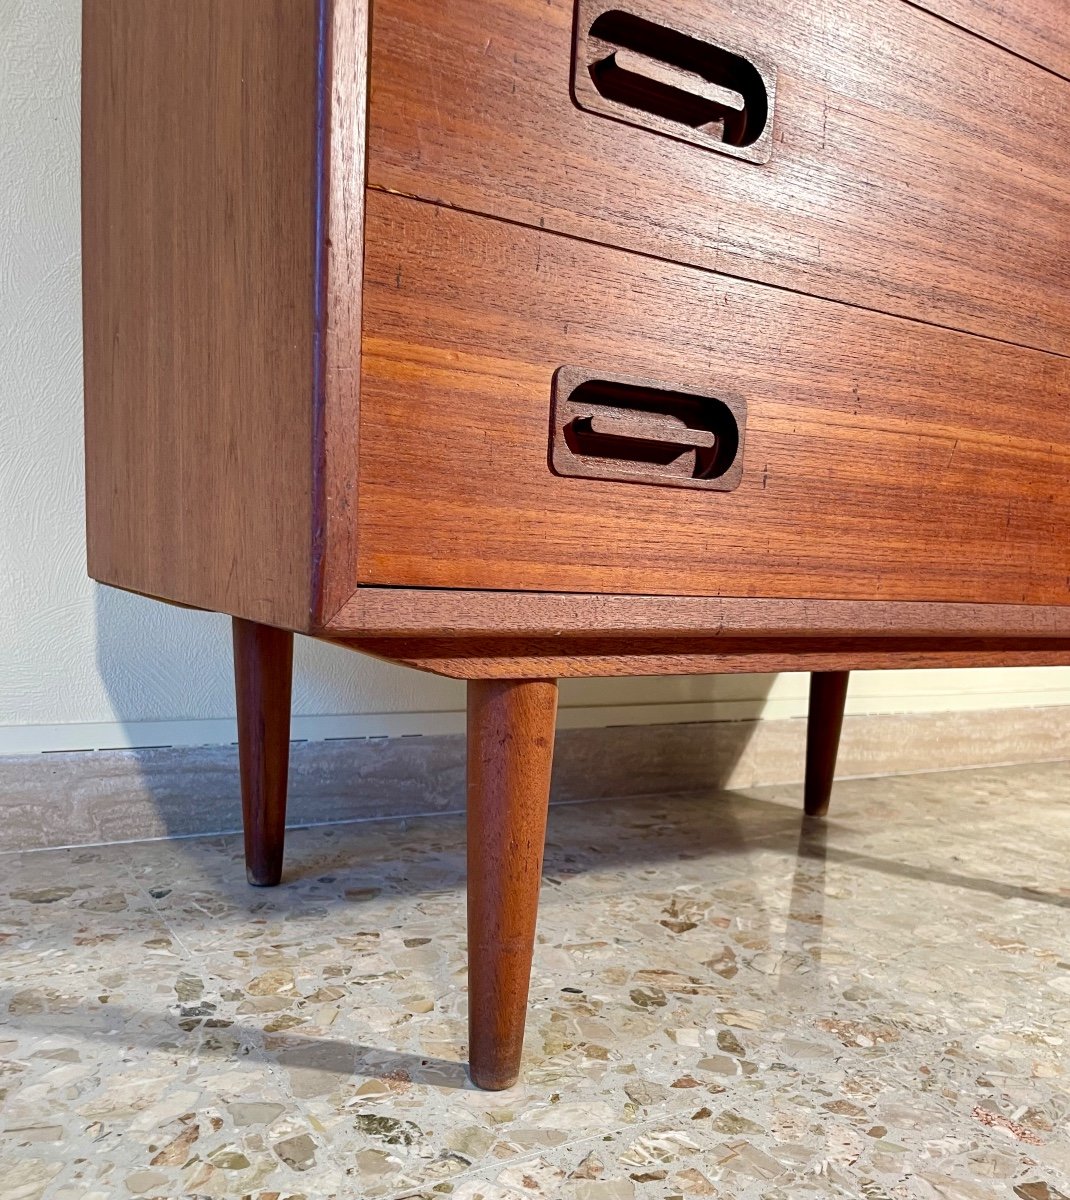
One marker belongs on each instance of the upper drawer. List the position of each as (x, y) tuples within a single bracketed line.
[(882, 459), (914, 168), (1035, 29)]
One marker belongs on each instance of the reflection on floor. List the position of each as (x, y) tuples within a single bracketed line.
[(723, 1004)]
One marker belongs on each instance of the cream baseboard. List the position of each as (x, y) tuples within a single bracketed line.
[(128, 794)]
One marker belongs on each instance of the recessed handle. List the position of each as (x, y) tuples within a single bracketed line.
[(636, 431), (672, 81)]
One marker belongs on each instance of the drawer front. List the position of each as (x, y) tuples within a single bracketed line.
[(913, 168), (1036, 29), (882, 459)]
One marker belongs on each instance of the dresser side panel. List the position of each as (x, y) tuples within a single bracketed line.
[(198, 144)]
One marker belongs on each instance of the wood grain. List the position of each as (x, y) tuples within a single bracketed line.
[(884, 460), (510, 753), (198, 141), (341, 243), (916, 169), (567, 657), (430, 612), (1036, 29)]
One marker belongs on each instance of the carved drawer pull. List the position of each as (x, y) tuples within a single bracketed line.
[(669, 81), (639, 432)]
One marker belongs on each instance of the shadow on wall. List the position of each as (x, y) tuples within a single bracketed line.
[(161, 665)]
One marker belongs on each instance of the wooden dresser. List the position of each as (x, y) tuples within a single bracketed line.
[(520, 339)]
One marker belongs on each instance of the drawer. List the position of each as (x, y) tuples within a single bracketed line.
[(913, 168), (1035, 29), (882, 458)]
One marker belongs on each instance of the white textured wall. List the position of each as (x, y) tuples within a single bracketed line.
[(83, 666)]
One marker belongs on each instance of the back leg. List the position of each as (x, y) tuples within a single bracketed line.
[(828, 694)]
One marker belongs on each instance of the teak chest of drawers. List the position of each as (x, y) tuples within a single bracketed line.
[(519, 339)]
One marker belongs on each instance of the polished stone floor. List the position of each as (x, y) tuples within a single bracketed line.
[(723, 1004)]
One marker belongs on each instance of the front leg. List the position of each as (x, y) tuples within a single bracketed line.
[(510, 754)]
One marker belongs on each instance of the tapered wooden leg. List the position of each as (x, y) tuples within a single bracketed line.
[(510, 754), (263, 672), (828, 694)]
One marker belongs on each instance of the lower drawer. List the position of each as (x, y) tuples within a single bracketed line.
[(882, 458)]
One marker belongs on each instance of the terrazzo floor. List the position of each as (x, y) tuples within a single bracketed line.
[(723, 1004)]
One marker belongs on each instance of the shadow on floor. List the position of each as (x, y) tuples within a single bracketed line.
[(427, 857), (293, 1051), (347, 864)]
